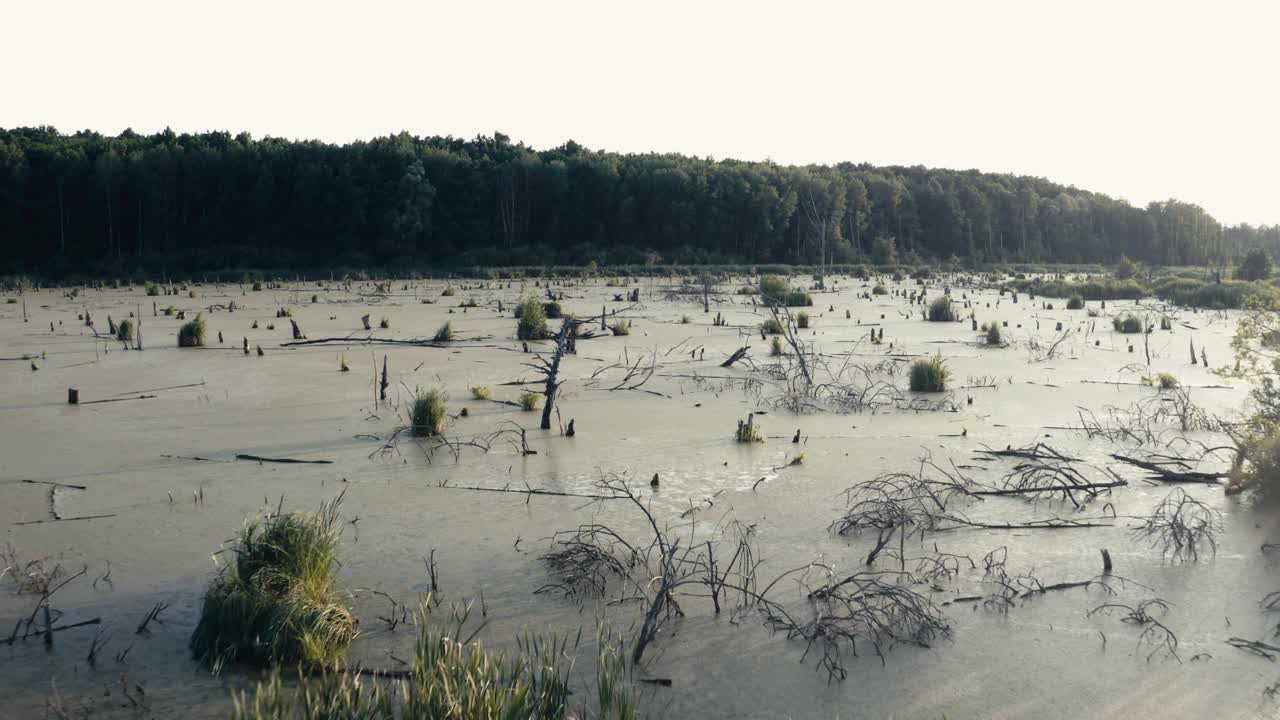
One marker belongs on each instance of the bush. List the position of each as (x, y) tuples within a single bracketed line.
[(941, 310), (879, 289), (802, 320), (169, 311), (191, 334), (257, 287), (530, 401), (481, 392), (685, 319), (775, 346), (1166, 381), (385, 323), (276, 602), (124, 331), (748, 431), (1216, 296), (448, 291), (1075, 302), (427, 414), (533, 320), (929, 374), (1126, 268), (1128, 324), (1256, 265), (774, 289), (445, 333), (621, 327), (552, 310), (153, 290), (771, 326)]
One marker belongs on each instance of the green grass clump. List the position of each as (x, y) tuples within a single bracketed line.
[(445, 333), (385, 323), (170, 311), (802, 320), (124, 331), (530, 401), (276, 603), (552, 310), (929, 374), (1166, 322), (747, 431), (879, 289), (685, 319), (1128, 324), (993, 336), (746, 290), (621, 327), (191, 334), (771, 326), (941, 310), (776, 290), (454, 679), (257, 287), (152, 289), (448, 291), (1075, 302), (1166, 381), (427, 414), (775, 346), (481, 392), (533, 320)]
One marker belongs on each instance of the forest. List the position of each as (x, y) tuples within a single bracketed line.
[(91, 204)]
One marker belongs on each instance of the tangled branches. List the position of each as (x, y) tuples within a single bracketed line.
[(1051, 480), (1155, 634), (861, 607), (1180, 525)]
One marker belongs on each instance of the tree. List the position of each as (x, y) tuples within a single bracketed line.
[(884, 251), (1256, 265)]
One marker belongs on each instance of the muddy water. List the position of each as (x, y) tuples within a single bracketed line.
[(168, 515)]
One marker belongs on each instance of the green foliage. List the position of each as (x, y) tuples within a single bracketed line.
[(1126, 268), (169, 311), (1225, 295), (1256, 265), (774, 289), (1128, 324), (884, 251), (1166, 381), (192, 333), (427, 413), (1075, 302), (275, 603), (448, 291), (385, 323), (941, 310), (481, 392), (879, 289), (445, 333), (748, 431), (152, 290), (124, 331), (1104, 289), (771, 326), (775, 345), (533, 320), (802, 320), (257, 287), (453, 679), (530, 401), (552, 310), (929, 374)]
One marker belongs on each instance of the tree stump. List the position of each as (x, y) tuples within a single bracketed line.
[(73, 396)]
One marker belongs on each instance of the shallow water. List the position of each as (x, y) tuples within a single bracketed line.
[(1044, 657)]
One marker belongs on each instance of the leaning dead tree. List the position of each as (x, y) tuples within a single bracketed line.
[(1050, 480)]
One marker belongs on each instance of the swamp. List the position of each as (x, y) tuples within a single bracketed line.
[(694, 495)]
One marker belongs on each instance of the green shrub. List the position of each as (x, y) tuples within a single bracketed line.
[(191, 334), (802, 320), (1128, 324), (1229, 294), (427, 413), (1075, 302), (1256, 265), (929, 374), (385, 323), (685, 319), (530, 401), (774, 289), (257, 287), (746, 290), (481, 392), (448, 291), (124, 331), (775, 346), (275, 603), (153, 290), (1126, 268), (941, 310), (771, 326), (621, 327), (1166, 381), (552, 310), (169, 311), (533, 320), (445, 333), (879, 289)]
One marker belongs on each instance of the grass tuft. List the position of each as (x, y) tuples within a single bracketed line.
[(533, 320), (771, 326), (530, 401), (481, 392), (1075, 302), (192, 333), (445, 333), (124, 331), (929, 374), (276, 603), (621, 327), (1127, 324), (941, 310), (802, 320), (427, 414)]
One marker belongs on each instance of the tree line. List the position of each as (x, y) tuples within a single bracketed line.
[(186, 202)]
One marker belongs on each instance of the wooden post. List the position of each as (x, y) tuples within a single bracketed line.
[(365, 320), (383, 387), (73, 396)]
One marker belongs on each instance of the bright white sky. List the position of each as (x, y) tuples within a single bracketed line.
[(1140, 99)]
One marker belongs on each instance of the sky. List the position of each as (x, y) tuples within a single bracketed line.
[(1136, 99)]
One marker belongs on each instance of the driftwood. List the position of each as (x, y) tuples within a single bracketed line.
[(1160, 472), (736, 356), (242, 456), (62, 519)]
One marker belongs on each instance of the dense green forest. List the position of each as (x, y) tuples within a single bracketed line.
[(87, 203)]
